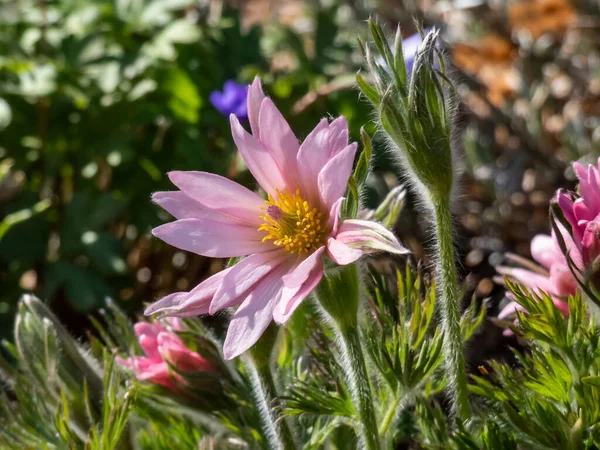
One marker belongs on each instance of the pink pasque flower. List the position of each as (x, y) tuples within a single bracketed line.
[(553, 276), (284, 239), (582, 242), (163, 347), (583, 213)]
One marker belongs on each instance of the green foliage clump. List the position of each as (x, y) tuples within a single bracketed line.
[(553, 399), (549, 400)]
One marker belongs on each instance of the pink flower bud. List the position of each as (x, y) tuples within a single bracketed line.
[(162, 348), (590, 243)]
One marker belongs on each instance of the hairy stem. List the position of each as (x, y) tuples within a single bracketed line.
[(449, 302), (389, 415), (275, 428), (402, 399), (338, 297), (358, 380)]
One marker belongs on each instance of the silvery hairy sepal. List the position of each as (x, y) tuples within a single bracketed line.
[(415, 110)]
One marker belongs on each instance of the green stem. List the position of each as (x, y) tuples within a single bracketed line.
[(389, 415), (338, 297), (276, 429), (449, 301), (358, 380), (400, 402)]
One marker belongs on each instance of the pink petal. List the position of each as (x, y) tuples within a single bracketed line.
[(589, 184), (150, 346), (572, 248), (581, 210), (254, 315), (127, 363), (198, 299), (221, 194), (243, 276), (260, 162), (278, 138), (152, 371), (340, 253), (580, 171), (212, 238), (297, 276), (338, 135), (170, 304), (527, 278), (590, 242), (510, 310), (369, 237), (334, 216), (312, 157), (563, 307), (333, 178), (566, 204), (181, 206), (158, 374), (141, 363), (255, 98), (544, 251), (176, 353), (147, 329), (169, 339), (194, 311), (593, 201), (176, 324), (563, 282), (292, 297)]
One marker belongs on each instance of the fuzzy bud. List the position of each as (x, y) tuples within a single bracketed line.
[(415, 111)]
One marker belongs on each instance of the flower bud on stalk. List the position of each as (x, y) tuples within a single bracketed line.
[(166, 358), (415, 112)]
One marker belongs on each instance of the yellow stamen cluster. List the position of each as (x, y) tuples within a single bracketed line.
[(291, 223)]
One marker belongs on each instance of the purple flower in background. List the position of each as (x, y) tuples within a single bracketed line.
[(232, 100)]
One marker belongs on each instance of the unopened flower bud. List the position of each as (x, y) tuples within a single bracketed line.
[(415, 111)]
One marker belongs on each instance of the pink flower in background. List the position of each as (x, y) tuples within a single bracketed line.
[(162, 348), (284, 239), (583, 213), (553, 276)]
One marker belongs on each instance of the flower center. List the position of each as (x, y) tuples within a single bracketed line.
[(291, 223)]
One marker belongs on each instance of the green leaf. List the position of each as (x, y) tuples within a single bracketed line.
[(364, 160), (592, 380), (184, 101), (369, 91), (350, 204)]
